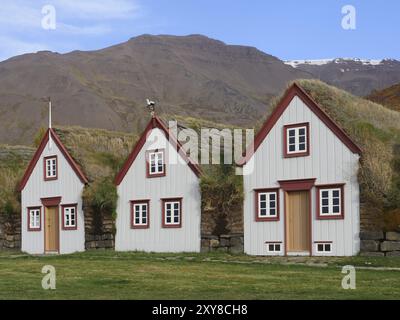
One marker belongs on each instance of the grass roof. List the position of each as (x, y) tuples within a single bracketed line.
[(376, 129)]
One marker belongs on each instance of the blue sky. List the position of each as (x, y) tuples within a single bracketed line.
[(288, 29)]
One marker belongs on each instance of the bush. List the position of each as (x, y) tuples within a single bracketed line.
[(222, 200), (102, 197)]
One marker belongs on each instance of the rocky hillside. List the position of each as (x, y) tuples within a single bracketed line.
[(389, 97), (356, 76), (190, 76)]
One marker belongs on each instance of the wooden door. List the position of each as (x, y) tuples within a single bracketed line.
[(51, 229), (298, 221)]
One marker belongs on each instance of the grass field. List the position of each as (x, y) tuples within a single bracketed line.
[(111, 275)]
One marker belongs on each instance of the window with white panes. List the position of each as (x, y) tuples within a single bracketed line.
[(267, 204), (330, 202), (156, 163), (297, 140), (69, 217), (172, 213), (140, 214), (50, 168), (34, 219)]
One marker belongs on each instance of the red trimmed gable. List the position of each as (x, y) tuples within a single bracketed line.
[(39, 152), (293, 91), (155, 122)]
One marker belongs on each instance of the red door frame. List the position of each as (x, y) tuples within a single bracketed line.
[(297, 185), (49, 203)]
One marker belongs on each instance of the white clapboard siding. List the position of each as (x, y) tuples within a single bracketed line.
[(330, 161), (69, 187), (180, 181)]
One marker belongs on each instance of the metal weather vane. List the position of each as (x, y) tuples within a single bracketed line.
[(151, 107)]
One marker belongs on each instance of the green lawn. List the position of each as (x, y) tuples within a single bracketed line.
[(111, 275)]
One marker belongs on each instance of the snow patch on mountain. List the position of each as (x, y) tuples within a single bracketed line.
[(320, 62)]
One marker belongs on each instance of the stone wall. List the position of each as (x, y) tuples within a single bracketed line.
[(371, 219), (99, 230), (379, 244), (10, 232), (232, 243)]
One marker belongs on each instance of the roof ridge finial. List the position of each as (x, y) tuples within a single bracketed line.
[(49, 112), (151, 107), (50, 124)]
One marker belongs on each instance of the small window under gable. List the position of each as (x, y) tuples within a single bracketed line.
[(330, 201), (296, 140), (267, 204), (34, 219), (155, 163), (50, 168)]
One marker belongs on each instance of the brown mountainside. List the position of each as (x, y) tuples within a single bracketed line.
[(389, 97), (188, 76)]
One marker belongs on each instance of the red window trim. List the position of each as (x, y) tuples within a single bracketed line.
[(141, 226), (330, 186), (29, 218), (285, 141), (172, 225), (323, 242), (263, 219), (73, 205), (45, 169), (154, 175)]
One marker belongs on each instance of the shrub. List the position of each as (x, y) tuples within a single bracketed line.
[(102, 196), (222, 200)]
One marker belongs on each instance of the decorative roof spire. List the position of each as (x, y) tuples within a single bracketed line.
[(49, 123), (151, 107)]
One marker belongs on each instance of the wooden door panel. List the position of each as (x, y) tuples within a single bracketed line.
[(298, 221), (51, 229)]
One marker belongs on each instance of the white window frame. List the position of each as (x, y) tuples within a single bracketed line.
[(324, 246), (34, 219), (274, 245), (296, 140), (267, 208), (141, 216), (68, 217), (330, 204), (51, 167), (172, 214), (157, 156)]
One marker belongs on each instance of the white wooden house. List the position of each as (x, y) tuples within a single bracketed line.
[(51, 200), (300, 183), (159, 204)]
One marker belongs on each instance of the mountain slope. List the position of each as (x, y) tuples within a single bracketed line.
[(389, 97), (357, 76), (188, 76)]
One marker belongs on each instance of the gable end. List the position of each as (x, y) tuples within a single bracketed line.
[(38, 153), (155, 122), (293, 91)]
